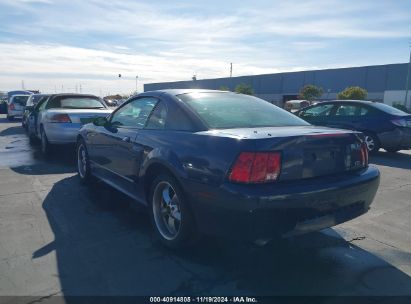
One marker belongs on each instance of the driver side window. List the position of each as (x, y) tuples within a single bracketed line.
[(135, 113)]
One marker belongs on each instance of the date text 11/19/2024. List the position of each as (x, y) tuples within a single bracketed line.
[(203, 299)]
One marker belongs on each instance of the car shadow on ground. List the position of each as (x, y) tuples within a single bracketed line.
[(62, 159), (104, 246), (397, 160), (5, 120), (17, 130)]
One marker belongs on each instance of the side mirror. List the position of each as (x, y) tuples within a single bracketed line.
[(29, 108), (100, 121)]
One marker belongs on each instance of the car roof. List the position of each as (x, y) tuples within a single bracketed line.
[(19, 95), (296, 101), (40, 94), (175, 92), (72, 95), (350, 101)]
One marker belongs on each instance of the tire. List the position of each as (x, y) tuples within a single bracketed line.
[(83, 162), (170, 215), (392, 150), (10, 118), (45, 145), (372, 142)]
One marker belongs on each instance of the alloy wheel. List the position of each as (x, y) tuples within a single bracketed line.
[(82, 161), (166, 210), (370, 142)]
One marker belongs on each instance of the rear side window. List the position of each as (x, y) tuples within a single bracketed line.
[(353, 110), (158, 117), (319, 110), (347, 110), (222, 110)]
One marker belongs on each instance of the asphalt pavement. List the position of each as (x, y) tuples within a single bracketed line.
[(58, 237)]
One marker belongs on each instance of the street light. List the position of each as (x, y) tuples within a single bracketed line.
[(136, 83)]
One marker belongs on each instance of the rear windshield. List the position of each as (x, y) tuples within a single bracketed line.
[(388, 109), (228, 110), (21, 100), (76, 103)]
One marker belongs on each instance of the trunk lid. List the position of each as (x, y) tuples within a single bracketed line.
[(81, 116), (306, 151)]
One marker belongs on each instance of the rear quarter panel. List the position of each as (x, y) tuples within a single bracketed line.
[(198, 157)]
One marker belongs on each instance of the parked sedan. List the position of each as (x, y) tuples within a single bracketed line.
[(57, 119), (16, 105), (384, 126), (228, 164)]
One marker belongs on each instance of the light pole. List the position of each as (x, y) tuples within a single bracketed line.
[(407, 81), (136, 83)]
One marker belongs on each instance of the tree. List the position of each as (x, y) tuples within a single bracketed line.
[(224, 88), (310, 92), (244, 89), (357, 93)]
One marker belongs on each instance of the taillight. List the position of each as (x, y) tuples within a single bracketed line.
[(12, 107), (59, 118), (400, 122), (256, 167)]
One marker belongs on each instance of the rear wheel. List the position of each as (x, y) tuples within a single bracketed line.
[(372, 142), (45, 145), (171, 218)]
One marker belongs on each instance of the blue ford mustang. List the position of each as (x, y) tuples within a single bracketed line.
[(227, 164)]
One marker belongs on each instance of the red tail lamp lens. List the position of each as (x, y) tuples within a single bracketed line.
[(60, 118), (256, 167)]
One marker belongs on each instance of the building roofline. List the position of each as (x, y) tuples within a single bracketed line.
[(279, 73)]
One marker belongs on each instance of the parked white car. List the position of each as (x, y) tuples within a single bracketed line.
[(57, 119)]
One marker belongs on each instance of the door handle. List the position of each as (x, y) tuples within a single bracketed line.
[(126, 139)]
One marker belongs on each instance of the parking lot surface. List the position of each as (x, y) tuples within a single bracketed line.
[(58, 237)]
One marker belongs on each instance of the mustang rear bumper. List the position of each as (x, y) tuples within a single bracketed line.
[(283, 208)]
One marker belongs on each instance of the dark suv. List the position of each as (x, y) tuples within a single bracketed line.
[(383, 126)]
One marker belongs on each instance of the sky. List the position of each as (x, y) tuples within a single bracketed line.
[(56, 46)]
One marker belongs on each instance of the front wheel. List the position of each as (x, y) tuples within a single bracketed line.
[(372, 142), (83, 162), (171, 218)]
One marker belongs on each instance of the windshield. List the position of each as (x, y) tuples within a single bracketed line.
[(228, 110), (388, 109), (76, 103)]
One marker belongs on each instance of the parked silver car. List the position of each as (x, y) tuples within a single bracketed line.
[(57, 119), (16, 105)]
